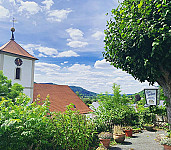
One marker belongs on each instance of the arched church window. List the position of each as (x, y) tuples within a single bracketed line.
[(18, 72)]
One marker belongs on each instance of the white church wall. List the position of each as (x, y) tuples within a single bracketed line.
[(1, 61), (27, 72)]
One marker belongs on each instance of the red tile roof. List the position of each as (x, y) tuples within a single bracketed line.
[(60, 97), (13, 48)]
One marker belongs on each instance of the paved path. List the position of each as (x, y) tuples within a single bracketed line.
[(140, 141)]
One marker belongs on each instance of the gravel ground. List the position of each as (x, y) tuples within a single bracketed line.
[(140, 141)]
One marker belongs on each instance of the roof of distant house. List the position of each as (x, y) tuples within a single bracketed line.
[(12, 47), (60, 97)]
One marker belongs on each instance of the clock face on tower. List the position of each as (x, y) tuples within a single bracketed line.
[(18, 61)]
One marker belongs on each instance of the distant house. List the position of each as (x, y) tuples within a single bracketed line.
[(18, 65), (94, 106)]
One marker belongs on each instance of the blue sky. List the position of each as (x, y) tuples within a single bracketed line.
[(67, 38)]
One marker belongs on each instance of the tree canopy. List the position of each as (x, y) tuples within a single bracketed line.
[(138, 40)]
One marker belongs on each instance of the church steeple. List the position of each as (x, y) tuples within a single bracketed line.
[(12, 30)]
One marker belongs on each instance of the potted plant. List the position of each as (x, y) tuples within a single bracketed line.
[(118, 134), (105, 138), (136, 130), (128, 131), (166, 142), (149, 127)]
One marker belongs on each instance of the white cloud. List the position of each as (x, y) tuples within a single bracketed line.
[(76, 44), (75, 34), (98, 35), (13, 2), (90, 78), (48, 51), (44, 51), (102, 64), (4, 13), (31, 7), (68, 54), (76, 37), (48, 4), (46, 68), (78, 67), (58, 15), (65, 62), (42, 55)]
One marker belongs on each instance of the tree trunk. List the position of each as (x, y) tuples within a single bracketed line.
[(165, 82)]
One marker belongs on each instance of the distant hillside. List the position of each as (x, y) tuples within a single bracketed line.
[(82, 92)]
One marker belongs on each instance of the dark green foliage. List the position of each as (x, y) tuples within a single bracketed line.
[(138, 40), (162, 96)]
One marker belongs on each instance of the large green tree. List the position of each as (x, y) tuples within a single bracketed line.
[(138, 40)]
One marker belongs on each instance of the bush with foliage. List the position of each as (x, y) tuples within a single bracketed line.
[(114, 110), (33, 126), (8, 90), (147, 114)]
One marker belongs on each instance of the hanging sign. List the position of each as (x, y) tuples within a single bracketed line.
[(151, 96)]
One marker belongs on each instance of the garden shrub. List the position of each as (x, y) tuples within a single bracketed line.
[(33, 126), (147, 114), (114, 110)]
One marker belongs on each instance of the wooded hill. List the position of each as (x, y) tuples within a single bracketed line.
[(82, 92)]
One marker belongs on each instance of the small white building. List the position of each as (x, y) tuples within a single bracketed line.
[(18, 65)]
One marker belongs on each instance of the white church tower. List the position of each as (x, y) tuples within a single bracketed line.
[(18, 65)]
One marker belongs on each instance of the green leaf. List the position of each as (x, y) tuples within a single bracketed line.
[(158, 5), (141, 3)]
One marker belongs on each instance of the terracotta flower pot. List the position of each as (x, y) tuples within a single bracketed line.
[(167, 147), (128, 133), (105, 142), (119, 138)]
